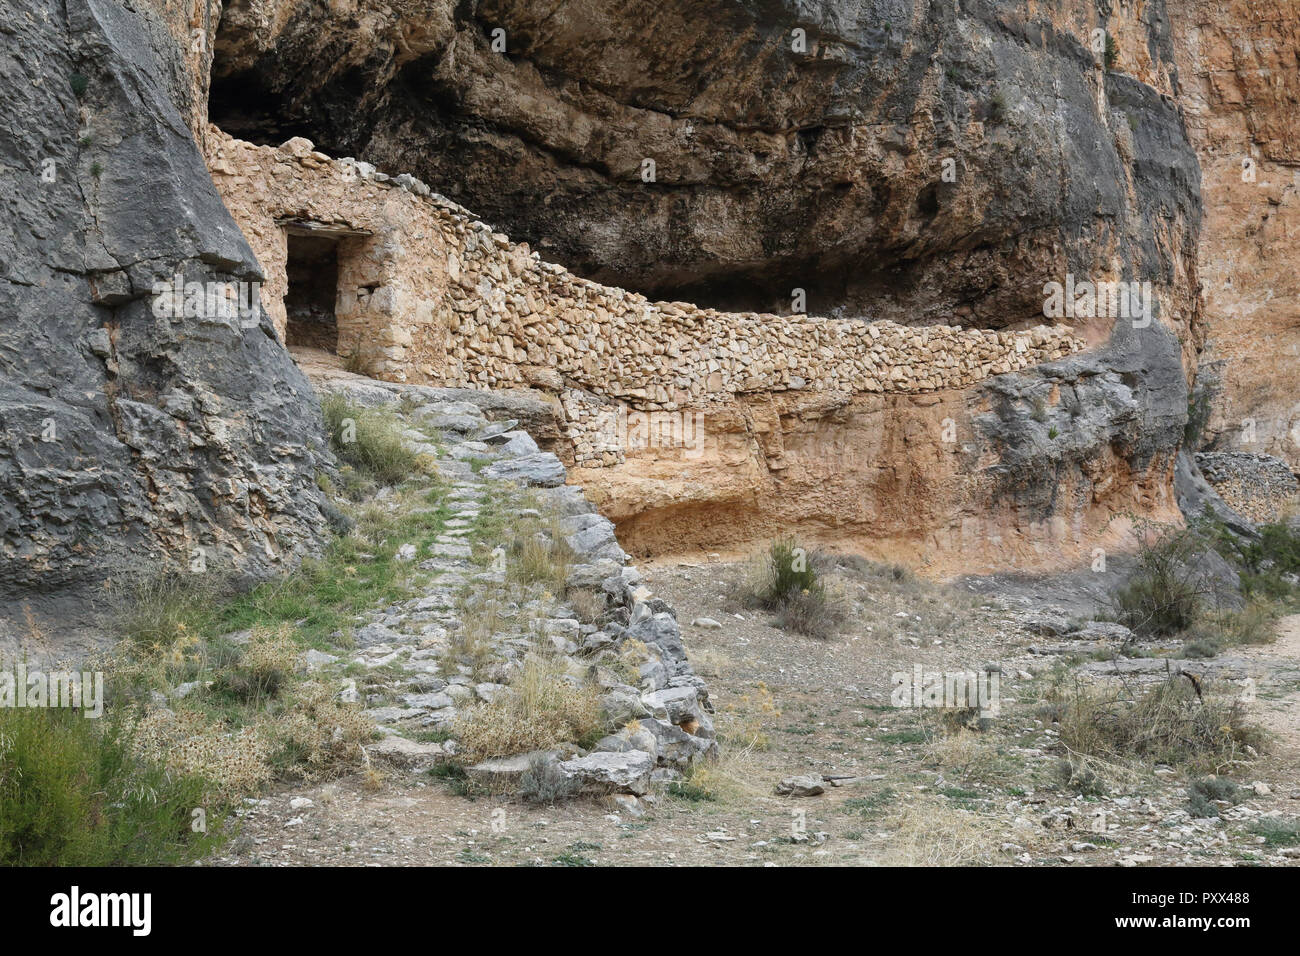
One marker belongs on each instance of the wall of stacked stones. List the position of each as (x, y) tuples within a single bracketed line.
[(430, 294)]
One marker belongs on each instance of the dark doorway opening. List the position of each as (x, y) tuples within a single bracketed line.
[(313, 271)]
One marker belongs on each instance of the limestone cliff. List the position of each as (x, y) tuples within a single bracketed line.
[(902, 162), (130, 440), (902, 159)]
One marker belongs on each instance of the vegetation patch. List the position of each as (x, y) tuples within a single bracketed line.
[(1205, 793), (789, 582), (542, 707), (370, 441), (77, 792), (1171, 723), (1276, 831)]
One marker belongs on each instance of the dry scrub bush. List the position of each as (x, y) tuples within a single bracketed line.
[(318, 737), (545, 782), (1169, 723), (589, 604), (971, 756), (252, 719), (188, 742), (541, 708), (1167, 592), (263, 668)]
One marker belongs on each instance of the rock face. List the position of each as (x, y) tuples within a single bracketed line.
[(130, 440), (891, 156), (922, 166), (1237, 60)]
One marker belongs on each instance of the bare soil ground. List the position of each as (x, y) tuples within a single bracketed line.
[(788, 705)]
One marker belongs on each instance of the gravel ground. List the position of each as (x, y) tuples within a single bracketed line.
[(790, 705)]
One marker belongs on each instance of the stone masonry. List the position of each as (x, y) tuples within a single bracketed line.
[(429, 294)]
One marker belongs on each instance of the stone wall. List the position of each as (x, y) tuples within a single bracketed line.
[(1260, 487), (431, 295)]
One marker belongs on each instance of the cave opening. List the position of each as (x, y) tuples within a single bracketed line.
[(310, 301)]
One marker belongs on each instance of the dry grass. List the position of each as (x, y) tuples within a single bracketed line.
[(538, 554), (253, 717), (631, 655), (542, 707), (929, 832), (370, 440), (1169, 723), (743, 721), (971, 756), (471, 644), (589, 604), (734, 778)]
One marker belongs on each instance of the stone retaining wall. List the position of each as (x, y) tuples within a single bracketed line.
[(429, 294), (1259, 487)]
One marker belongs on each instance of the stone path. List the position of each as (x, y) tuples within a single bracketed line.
[(471, 633)]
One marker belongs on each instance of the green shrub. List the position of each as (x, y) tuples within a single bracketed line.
[(787, 581), (1267, 562), (79, 83), (690, 792), (1203, 792), (1112, 52), (791, 571), (997, 110), (1277, 832), (72, 793), (369, 439)]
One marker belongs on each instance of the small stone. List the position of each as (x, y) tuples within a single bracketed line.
[(805, 785)]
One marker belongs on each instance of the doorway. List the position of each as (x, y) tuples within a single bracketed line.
[(309, 303)]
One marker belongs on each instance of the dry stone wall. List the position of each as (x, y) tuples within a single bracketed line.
[(429, 294)]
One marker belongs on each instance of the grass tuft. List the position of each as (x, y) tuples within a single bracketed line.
[(370, 440)]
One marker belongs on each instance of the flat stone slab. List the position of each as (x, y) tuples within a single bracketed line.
[(542, 469)]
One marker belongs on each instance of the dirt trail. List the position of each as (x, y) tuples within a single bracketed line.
[(1277, 703)]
